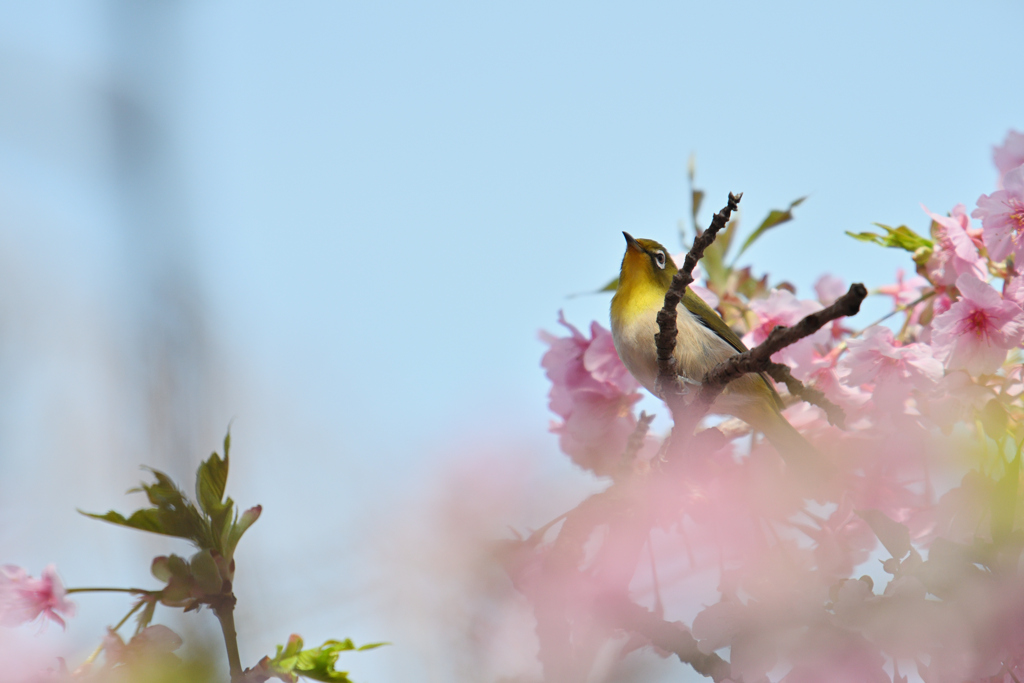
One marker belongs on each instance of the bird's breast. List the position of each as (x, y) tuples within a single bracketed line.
[(698, 349)]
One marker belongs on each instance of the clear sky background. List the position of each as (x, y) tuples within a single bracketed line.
[(342, 224)]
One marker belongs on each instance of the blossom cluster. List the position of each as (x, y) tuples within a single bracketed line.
[(769, 583)]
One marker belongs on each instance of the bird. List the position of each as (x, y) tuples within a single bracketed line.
[(704, 340)]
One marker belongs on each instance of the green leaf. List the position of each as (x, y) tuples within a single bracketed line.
[(893, 535), (212, 480), (696, 197), (610, 287), (775, 218), (174, 515), (895, 238), (204, 570), (318, 664), (240, 526), (713, 263), (146, 615), (149, 519)]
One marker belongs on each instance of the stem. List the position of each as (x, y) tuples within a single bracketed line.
[(226, 614), (128, 616), (109, 590), (96, 653), (898, 309)]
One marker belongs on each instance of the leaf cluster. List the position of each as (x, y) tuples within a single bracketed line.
[(213, 525), (317, 664)]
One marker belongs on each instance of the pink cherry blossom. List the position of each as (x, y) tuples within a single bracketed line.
[(780, 308), (1013, 289), (829, 288), (978, 329), (955, 398), (1002, 217), (23, 598), (875, 358), (149, 646), (1009, 155), (783, 308), (903, 291), (955, 252), (593, 393)]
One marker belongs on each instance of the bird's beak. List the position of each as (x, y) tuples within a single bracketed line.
[(631, 243)]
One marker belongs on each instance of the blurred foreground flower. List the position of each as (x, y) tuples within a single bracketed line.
[(593, 393), (23, 598)]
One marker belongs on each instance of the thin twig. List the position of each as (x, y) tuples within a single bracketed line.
[(781, 374), (672, 637), (665, 339), (635, 441), (898, 309), (758, 359), (224, 608)]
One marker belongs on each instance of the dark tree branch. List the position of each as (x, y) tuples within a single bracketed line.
[(665, 339), (668, 636), (781, 374), (635, 442), (759, 358)]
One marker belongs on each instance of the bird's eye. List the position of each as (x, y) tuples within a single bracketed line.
[(659, 258)]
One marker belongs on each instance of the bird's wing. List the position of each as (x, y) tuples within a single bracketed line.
[(710, 318)]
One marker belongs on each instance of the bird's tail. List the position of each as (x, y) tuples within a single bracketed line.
[(797, 452)]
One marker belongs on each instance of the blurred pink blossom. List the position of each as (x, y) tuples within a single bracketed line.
[(23, 598), (781, 307), (1009, 155), (829, 288), (593, 393), (894, 370), (1002, 218), (842, 541), (149, 648), (978, 329), (903, 291), (1013, 289), (955, 252), (955, 398)]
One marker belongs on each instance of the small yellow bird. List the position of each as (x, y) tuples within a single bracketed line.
[(704, 341)]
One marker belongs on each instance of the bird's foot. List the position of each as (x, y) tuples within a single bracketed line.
[(683, 386)]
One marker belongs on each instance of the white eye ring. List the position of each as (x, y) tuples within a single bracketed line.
[(659, 258)]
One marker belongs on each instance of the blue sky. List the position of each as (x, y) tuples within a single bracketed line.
[(376, 207)]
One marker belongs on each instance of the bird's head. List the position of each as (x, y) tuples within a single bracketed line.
[(646, 264)]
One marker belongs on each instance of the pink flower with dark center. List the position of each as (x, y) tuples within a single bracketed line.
[(978, 329), (23, 598), (593, 393), (1002, 218), (1009, 155), (955, 252)]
